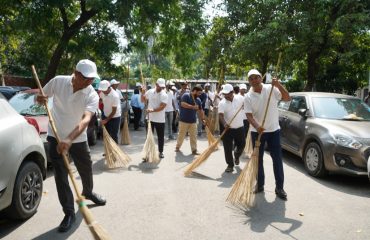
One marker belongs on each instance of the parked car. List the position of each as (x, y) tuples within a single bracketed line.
[(329, 131), (3, 97), (8, 92), (22, 164), (130, 93), (25, 104)]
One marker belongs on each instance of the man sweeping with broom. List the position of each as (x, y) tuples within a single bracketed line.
[(255, 103), (74, 103), (234, 138), (112, 109)]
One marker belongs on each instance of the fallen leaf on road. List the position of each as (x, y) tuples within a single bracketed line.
[(359, 230), (301, 214), (45, 192)]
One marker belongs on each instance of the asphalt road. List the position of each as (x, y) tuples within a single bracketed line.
[(159, 203)]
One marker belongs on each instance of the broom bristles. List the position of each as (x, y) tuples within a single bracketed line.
[(211, 139), (242, 193), (248, 150), (125, 134), (150, 151), (201, 158), (115, 157)]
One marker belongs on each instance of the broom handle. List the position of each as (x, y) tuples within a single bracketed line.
[(52, 124), (268, 101), (141, 75)]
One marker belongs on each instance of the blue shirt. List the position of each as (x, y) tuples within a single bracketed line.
[(135, 101), (189, 115)]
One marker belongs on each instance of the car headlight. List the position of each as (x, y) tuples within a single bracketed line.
[(347, 141)]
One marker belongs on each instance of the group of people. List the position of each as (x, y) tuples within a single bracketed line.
[(235, 109)]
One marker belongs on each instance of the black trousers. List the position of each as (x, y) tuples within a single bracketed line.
[(159, 128), (112, 127), (246, 127), (234, 139), (175, 122), (137, 117), (80, 154)]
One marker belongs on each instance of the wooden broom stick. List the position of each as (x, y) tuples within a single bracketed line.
[(97, 231), (125, 134)]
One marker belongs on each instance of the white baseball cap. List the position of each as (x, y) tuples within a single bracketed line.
[(207, 84), (87, 68), (104, 85), (174, 88), (161, 82), (254, 72), (138, 84), (227, 89), (168, 83), (114, 81), (243, 86)]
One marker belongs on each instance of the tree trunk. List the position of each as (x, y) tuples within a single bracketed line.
[(264, 65), (312, 69)]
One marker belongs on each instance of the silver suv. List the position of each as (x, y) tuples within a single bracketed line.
[(22, 164)]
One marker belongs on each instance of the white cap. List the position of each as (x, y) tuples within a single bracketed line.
[(243, 86), (227, 89), (174, 88), (207, 84), (114, 81), (104, 85), (172, 83), (254, 72), (161, 82), (168, 83), (138, 84), (87, 68)]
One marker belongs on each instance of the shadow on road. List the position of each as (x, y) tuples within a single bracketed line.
[(54, 234), (228, 179), (180, 157), (353, 185), (268, 214), (7, 226)]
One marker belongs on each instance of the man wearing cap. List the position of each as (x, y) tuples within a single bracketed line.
[(190, 106), (234, 138), (170, 108), (114, 84), (242, 92), (157, 100), (74, 103), (256, 102), (112, 109)]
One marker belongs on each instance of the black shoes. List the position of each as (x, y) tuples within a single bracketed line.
[(96, 198), (229, 169), (259, 189), (281, 194), (237, 161), (67, 222), (195, 152), (161, 155)]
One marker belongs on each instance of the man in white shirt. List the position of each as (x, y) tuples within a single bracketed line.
[(255, 105), (112, 109), (114, 84), (234, 138), (157, 100), (74, 103), (177, 109), (170, 107), (242, 92)]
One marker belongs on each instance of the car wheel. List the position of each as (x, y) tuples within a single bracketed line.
[(27, 191), (314, 161), (93, 136)]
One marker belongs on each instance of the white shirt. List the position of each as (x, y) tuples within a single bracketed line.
[(256, 103), (111, 100), (169, 106), (244, 115), (154, 101), (119, 94), (229, 109), (175, 100), (210, 95), (68, 107)]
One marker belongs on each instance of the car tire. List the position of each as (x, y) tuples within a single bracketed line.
[(27, 192), (314, 161), (93, 136)]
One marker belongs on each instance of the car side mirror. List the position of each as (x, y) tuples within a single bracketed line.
[(302, 112)]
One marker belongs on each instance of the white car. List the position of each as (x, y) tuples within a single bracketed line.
[(22, 164)]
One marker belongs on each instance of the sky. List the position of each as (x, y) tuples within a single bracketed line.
[(210, 11)]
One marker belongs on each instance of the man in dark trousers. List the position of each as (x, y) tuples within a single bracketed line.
[(234, 138), (74, 103), (255, 105)]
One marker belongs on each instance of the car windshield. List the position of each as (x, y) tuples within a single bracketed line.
[(352, 109), (25, 104)]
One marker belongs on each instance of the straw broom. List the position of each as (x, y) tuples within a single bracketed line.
[(242, 193), (248, 150), (150, 151), (206, 153), (97, 231), (125, 133), (115, 157)]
